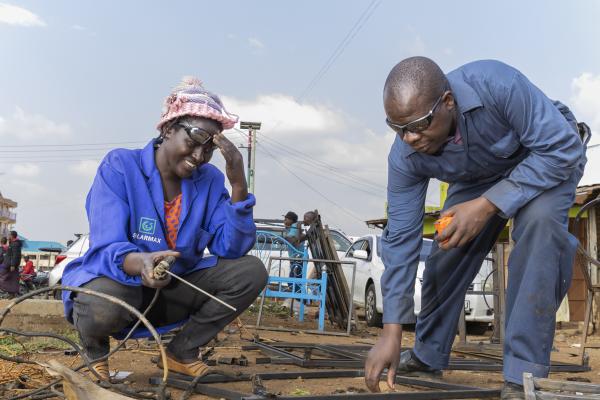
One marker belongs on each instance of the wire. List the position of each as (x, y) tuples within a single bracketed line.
[(71, 145), (314, 189), (312, 162), (364, 17)]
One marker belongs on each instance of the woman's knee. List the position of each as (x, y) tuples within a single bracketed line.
[(257, 271)]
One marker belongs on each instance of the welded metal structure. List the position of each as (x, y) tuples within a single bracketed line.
[(338, 295), (434, 389)]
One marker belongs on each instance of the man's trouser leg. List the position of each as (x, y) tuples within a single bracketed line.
[(446, 278), (539, 275)]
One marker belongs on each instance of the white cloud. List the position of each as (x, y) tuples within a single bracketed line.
[(24, 126), (14, 15), (256, 43), (85, 168), (78, 27), (26, 170), (283, 115), (586, 102)]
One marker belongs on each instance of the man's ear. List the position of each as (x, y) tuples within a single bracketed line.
[(449, 101)]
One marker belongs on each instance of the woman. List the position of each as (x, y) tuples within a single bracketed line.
[(9, 277), (166, 199)]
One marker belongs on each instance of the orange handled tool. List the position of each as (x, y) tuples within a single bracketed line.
[(441, 224)]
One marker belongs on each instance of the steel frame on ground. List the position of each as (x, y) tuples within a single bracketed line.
[(352, 356), (442, 390)]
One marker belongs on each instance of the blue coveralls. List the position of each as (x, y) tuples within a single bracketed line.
[(521, 151), (125, 208)]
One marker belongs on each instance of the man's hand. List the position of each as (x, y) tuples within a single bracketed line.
[(468, 219), (385, 354), (142, 264), (234, 167)]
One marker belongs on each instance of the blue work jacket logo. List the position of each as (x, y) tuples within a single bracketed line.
[(147, 225)]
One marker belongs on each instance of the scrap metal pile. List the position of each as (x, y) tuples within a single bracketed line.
[(338, 296)]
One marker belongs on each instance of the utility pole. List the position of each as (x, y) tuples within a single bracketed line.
[(252, 127)]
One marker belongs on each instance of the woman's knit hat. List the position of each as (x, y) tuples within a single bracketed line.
[(190, 98)]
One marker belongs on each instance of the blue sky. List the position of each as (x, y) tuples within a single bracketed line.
[(85, 72)]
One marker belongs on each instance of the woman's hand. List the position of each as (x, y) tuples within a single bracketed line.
[(142, 264), (234, 167)]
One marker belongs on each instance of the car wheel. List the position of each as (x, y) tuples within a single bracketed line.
[(372, 317)]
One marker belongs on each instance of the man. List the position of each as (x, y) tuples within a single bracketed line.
[(12, 260), (508, 151), (292, 234), (28, 273)]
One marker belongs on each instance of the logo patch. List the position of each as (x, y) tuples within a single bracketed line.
[(147, 225)]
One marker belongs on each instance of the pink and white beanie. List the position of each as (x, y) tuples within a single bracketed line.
[(190, 98)]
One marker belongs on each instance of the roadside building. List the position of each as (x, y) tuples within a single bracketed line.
[(42, 253), (8, 217)]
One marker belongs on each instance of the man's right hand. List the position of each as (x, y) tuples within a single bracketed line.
[(385, 354), (142, 264)]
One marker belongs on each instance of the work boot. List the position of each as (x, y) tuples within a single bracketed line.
[(512, 391), (410, 365), (193, 369)]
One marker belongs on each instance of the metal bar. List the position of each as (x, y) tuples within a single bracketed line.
[(200, 290), (351, 310)]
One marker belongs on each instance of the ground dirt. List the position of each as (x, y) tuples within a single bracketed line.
[(136, 358)]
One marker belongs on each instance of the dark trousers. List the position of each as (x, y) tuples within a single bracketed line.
[(539, 275), (237, 282)]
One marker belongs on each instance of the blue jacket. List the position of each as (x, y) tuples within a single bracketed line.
[(125, 209), (512, 134)]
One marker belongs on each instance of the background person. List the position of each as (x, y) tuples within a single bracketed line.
[(9, 277)]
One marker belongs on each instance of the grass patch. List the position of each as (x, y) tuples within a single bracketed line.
[(273, 308), (14, 345)]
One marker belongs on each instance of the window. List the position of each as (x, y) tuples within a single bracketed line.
[(339, 241), (358, 245)]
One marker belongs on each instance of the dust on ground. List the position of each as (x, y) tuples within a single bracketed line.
[(137, 357)]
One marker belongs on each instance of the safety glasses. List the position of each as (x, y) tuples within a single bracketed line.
[(199, 136), (418, 125)]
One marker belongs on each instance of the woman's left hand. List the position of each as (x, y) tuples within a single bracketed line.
[(234, 167)]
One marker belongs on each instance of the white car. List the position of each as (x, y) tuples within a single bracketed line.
[(76, 249), (369, 268)]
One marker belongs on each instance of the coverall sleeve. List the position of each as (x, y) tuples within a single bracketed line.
[(232, 226), (555, 146), (401, 241), (108, 214)]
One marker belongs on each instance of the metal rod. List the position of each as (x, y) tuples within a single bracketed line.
[(200, 290)]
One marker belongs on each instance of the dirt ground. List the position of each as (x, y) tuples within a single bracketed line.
[(137, 357)]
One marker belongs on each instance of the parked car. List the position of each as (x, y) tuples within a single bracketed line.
[(367, 288), (76, 249)]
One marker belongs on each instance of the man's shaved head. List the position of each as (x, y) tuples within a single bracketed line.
[(419, 104), (415, 76)]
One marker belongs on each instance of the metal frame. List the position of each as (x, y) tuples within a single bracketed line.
[(443, 390), (353, 356), (351, 310)]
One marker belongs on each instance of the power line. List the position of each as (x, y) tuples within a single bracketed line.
[(71, 144), (351, 214), (364, 17), (310, 160)]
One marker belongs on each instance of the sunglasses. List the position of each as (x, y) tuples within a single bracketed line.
[(419, 124), (200, 136)]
